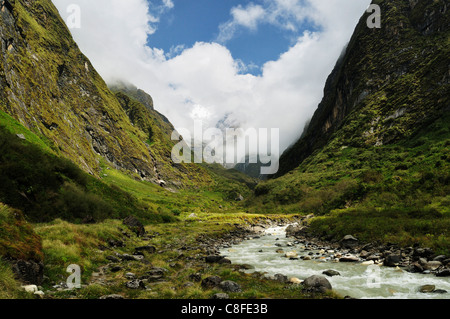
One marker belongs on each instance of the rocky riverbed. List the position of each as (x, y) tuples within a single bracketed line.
[(357, 269)]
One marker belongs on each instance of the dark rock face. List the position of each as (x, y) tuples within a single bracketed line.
[(135, 284), (350, 87), (211, 282), (443, 273), (317, 284), (281, 278), (230, 286), (294, 231), (427, 288), (349, 242), (29, 272), (392, 260), (195, 277), (135, 225), (213, 259)]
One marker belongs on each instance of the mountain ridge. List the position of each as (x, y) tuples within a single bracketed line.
[(379, 74)]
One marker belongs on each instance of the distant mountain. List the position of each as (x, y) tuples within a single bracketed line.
[(133, 92), (52, 89), (251, 167)]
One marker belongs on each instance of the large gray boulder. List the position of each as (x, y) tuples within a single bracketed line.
[(349, 242), (392, 260), (295, 230), (317, 284), (135, 284), (230, 286), (331, 273), (28, 271), (211, 282)]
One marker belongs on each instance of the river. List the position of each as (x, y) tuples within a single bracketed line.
[(355, 280)]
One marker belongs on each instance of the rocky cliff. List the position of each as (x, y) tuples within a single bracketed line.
[(389, 83), (51, 88)]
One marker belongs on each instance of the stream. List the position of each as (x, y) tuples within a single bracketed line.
[(355, 280)]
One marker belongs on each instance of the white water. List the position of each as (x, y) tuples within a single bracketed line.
[(355, 280)]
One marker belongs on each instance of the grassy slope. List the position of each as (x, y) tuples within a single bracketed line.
[(46, 186), (17, 241), (67, 243), (393, 193)]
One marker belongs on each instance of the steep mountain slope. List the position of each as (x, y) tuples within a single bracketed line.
[(51, 88), (374, 162), (390, 82)]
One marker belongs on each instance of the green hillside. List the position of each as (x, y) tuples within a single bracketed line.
[(374, 160)]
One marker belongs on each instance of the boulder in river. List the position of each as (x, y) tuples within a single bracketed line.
[(432, 265), (443, 273), (331, 273), (427, 288), (317, 284), (291, 254)]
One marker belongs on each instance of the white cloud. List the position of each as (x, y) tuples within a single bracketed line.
[(285, 14), (248, 17), (204, 80), (168, 4)]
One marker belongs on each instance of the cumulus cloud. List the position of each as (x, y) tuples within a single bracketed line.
[(248, 17), (205, 81)]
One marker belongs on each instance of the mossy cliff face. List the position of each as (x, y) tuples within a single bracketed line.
[(157, 131), (374, 162), (389, 83), (51, 88)]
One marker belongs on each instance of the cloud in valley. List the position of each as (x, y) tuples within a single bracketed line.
[(204, 80)]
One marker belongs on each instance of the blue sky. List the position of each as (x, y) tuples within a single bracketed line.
[(189, 22)]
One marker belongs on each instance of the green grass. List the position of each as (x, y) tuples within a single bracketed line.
[(17, 238), (10, 288), (65, 243), (405, 227), (16, 128), (410, 176)]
